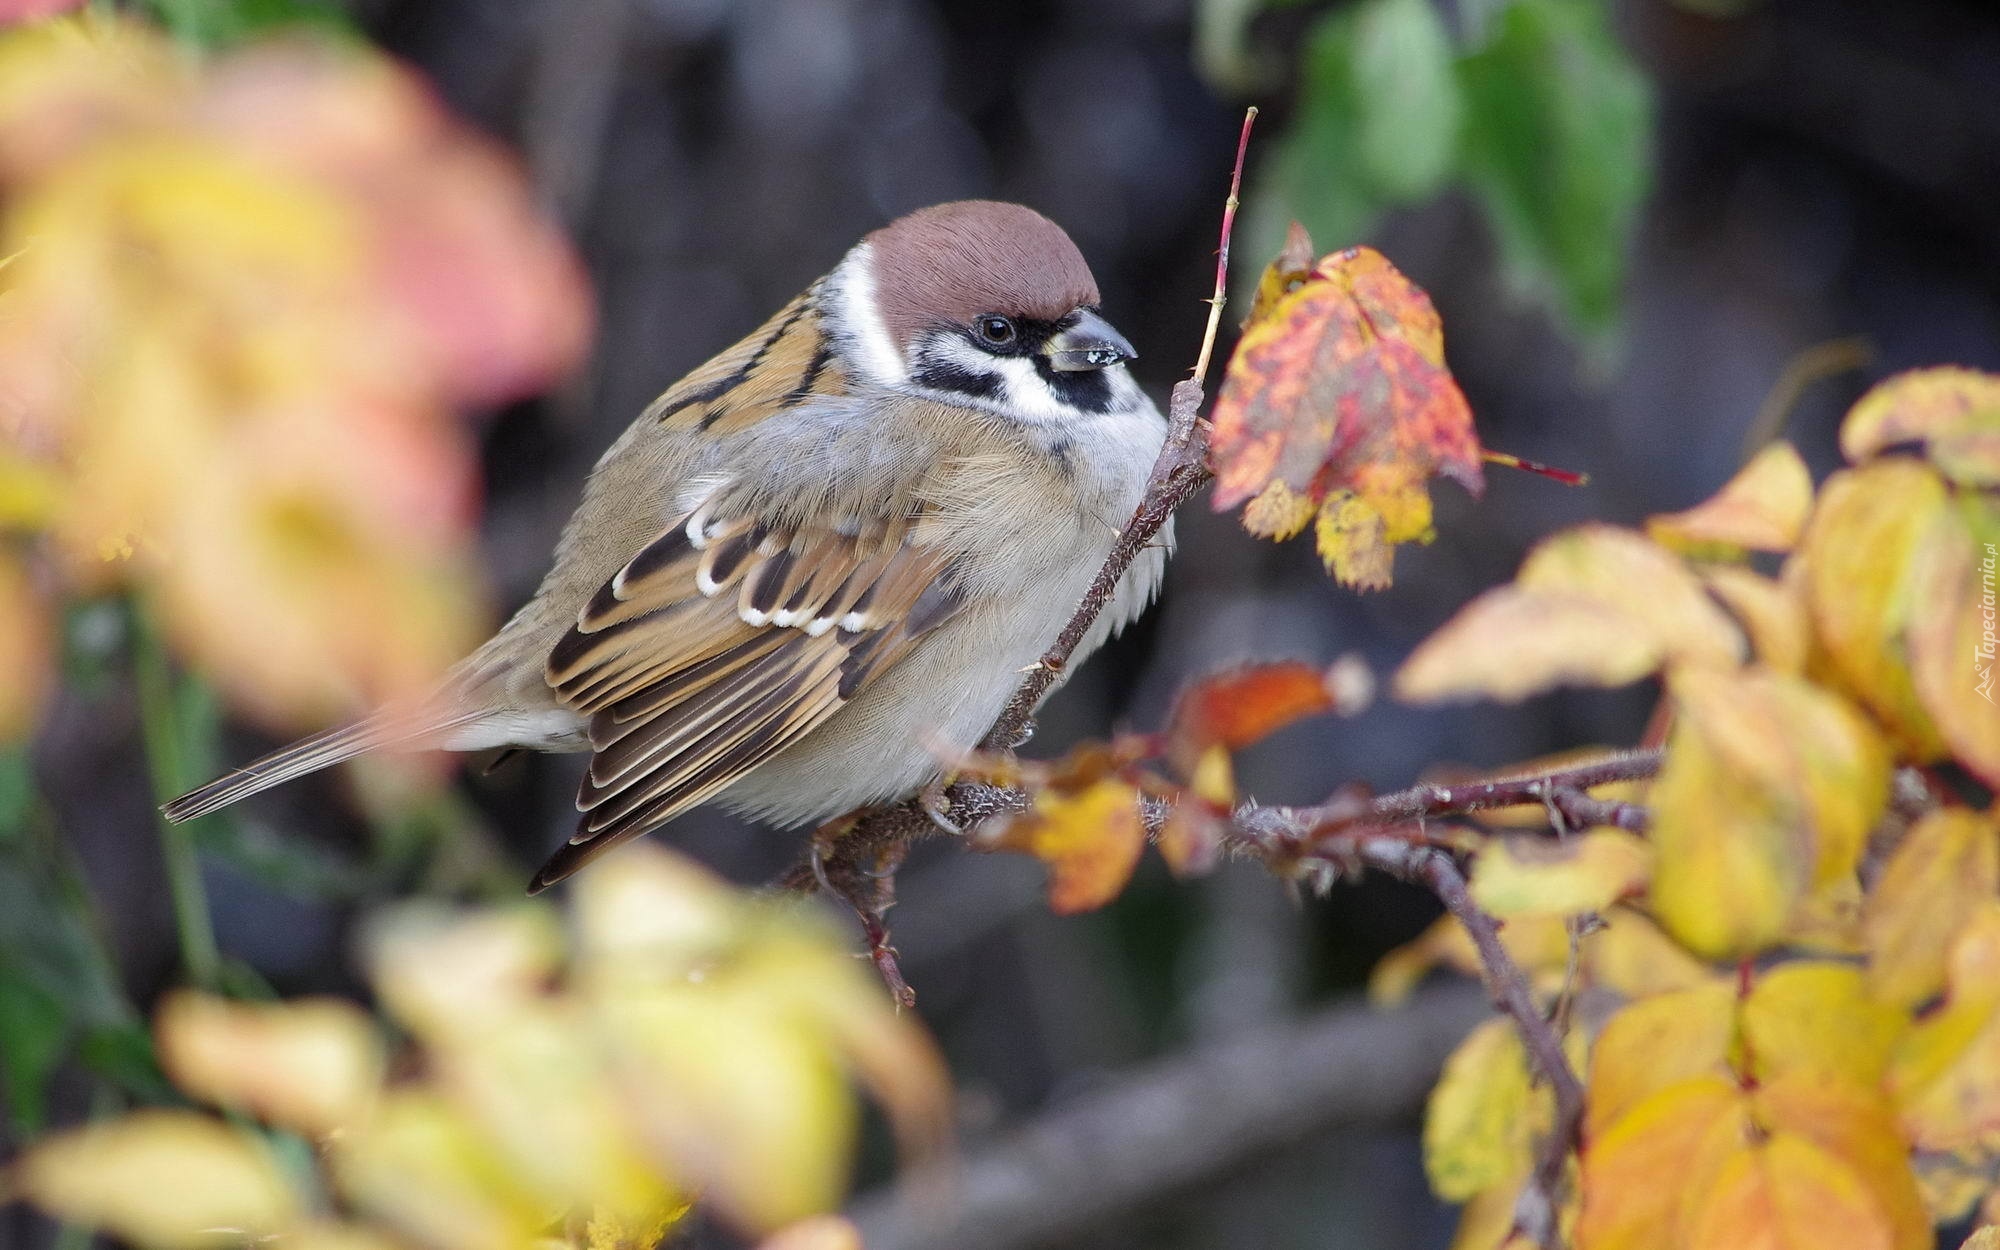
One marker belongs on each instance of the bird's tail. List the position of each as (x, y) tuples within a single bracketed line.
[(308, 755)]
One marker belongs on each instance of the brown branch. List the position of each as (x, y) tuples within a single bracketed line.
[(1540, 1201), (1178, 1122)]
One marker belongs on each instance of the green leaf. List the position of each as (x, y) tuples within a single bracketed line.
[(1558, 144), (1378, 122), (33, 1031), (1410, 107)]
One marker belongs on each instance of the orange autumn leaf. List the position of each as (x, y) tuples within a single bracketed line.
[(1953, 413), (1786, 1193), (1238, 707), (1687, 1130), (1853, 1121), (1762, 508), (1338, 398), (1090, 841)]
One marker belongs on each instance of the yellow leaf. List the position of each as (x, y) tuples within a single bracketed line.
[(1656, 1043), (1762, 508), (1538, 944), (739, 1099), (1630, 955), (160, 1178), (445, 974), (1945, 1075), (1984, 1238), (1090, 841), (1511, 643), (313, 1065), (1772, 614), (1524, 876), (1816, 1016), (1954, 412), (1786, 1193), (1353, 541), (1594, 605), (1643, 582), (1946, 866), (1685, 1133), (421, 1167), (1768, 790), (1860, 555), (1954, 631), (1278, 512), (1478, 1128), (1852, 1120)]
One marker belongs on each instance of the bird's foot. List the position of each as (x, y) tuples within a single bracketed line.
[(863, 877)]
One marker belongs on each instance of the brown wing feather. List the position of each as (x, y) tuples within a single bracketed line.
[(722, 642)]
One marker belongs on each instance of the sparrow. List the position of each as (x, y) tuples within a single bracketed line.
[(816, 567)]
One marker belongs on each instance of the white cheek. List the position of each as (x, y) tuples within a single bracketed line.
[(859, 315)]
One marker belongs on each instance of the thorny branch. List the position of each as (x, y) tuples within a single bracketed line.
[(855, 857)]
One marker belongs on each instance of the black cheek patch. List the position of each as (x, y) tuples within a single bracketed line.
[(1086, 390), (944, 375)]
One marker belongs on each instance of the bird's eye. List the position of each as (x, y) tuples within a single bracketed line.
[(995, 330)]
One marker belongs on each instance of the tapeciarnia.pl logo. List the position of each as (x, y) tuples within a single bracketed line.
[(1983, 651)]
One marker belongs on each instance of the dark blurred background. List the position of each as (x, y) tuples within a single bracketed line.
[(1819, 170)]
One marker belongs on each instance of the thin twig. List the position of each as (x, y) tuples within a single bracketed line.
[(1221, 295), (1535, 1211)]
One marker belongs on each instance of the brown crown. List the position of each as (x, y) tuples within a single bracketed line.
[(950, 263)]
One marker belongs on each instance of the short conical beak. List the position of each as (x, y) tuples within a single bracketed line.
[(1089, 344)]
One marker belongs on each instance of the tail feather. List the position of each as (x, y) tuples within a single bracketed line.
[(308, 755)]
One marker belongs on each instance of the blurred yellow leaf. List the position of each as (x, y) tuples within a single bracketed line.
[(1762, 508), (1656, 1043), (1953, 412), (420, 1166), (1539, 944), (1859, 555), (1944, 869), (160, 1178), (446, 973), (1945, 1075), (313, 1065), (1786, 1193), (1816, 1016), (1478, 1129), (1594, 605), (1768, 790), (1528, 875), (1630, 955), (1984, 1238), (1954, 633), (66, 85), (1090, 840), (1853, 1121), (1640, 1170), (1772, 614)]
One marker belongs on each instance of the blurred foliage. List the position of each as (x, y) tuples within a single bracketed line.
[(679, 1043), (1530, 105)]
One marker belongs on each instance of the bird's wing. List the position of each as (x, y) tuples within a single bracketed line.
[(722, 642)]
